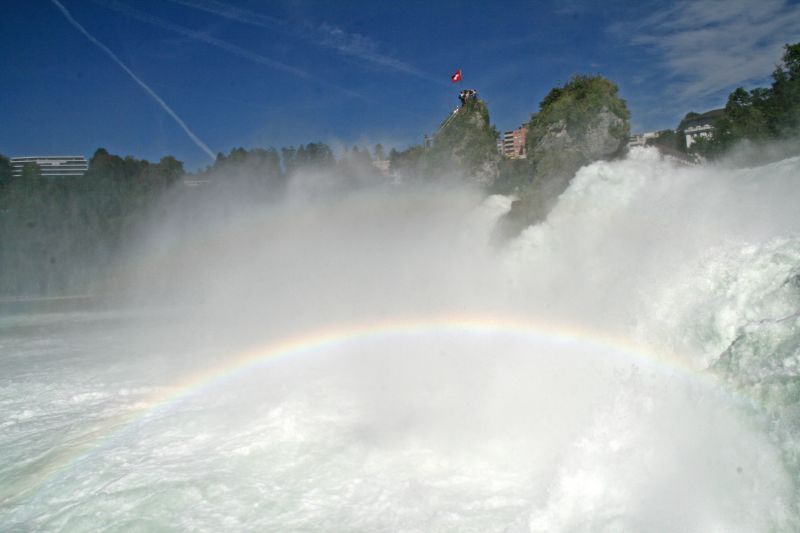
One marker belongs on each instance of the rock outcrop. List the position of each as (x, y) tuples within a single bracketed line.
[(466, 145), (582, 122)]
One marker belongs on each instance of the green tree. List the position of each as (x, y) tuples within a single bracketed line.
[(288, 158), (761, 114), (5, 177), (666, 139), (407, 163), (746, 116), (318, 155), (102, 163), (30, 188), (59, 234), (579, 102), (581, 122), (257, 170), (361, 157), (514, 176), (785, 108), (5, 169), (465, 145), (311, 156), (577, 109), (170, 168), (154, 179), (31, 172)]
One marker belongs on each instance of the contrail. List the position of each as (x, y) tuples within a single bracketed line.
[(203, 146), (229, 47), (349, 44)]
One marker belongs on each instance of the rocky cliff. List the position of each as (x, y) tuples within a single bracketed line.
[(582, 122), (465, 146)]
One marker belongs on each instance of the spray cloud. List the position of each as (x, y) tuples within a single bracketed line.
[(609, 412)]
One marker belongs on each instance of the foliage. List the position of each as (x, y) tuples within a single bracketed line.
[(139, 175), (5, 175), (258, 160), (264, 173), (257, 171), (310, 156), (58, 232), (583, 121), (575, 109), (5, 169), (785, 108), (761, 114), (407, 163), (665, 139), (465, 145), (355, 166), (31, 172), (514, 175), (577, 104), (358, 157)]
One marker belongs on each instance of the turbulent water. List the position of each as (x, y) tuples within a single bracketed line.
[(630, 364)]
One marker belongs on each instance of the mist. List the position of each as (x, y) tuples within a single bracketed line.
[(627, 404)]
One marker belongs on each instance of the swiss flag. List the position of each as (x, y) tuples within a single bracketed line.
[(456, 77)]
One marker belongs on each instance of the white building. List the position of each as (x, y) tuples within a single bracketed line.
[(382, 165), (696, 126), (52, 165), (640, 139), (693, 133)]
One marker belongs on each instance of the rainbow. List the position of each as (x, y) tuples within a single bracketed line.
[(328, 338), (337, 336)]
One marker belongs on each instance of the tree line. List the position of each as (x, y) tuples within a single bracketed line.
[(759, 115), (59, 234)]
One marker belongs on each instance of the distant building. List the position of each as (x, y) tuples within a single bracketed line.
[(195, 182), (382, 165), (514, 143), (640, 139), (696, 126), (52, 166)]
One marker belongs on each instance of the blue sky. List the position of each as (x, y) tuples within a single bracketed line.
[(278, 73)]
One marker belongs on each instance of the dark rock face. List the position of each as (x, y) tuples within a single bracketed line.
[(483, 137), (582, 122)]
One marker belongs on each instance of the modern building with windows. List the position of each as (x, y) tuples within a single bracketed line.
[(52, 166), (514, 143)]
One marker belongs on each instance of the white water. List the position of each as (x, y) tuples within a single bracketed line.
[(442, 431)]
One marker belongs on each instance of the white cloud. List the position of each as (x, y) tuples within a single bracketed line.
[(712, 46)]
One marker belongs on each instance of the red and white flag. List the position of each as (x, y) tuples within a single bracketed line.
[(456, 77)]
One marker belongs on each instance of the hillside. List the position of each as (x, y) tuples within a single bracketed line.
[(581, 122)]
